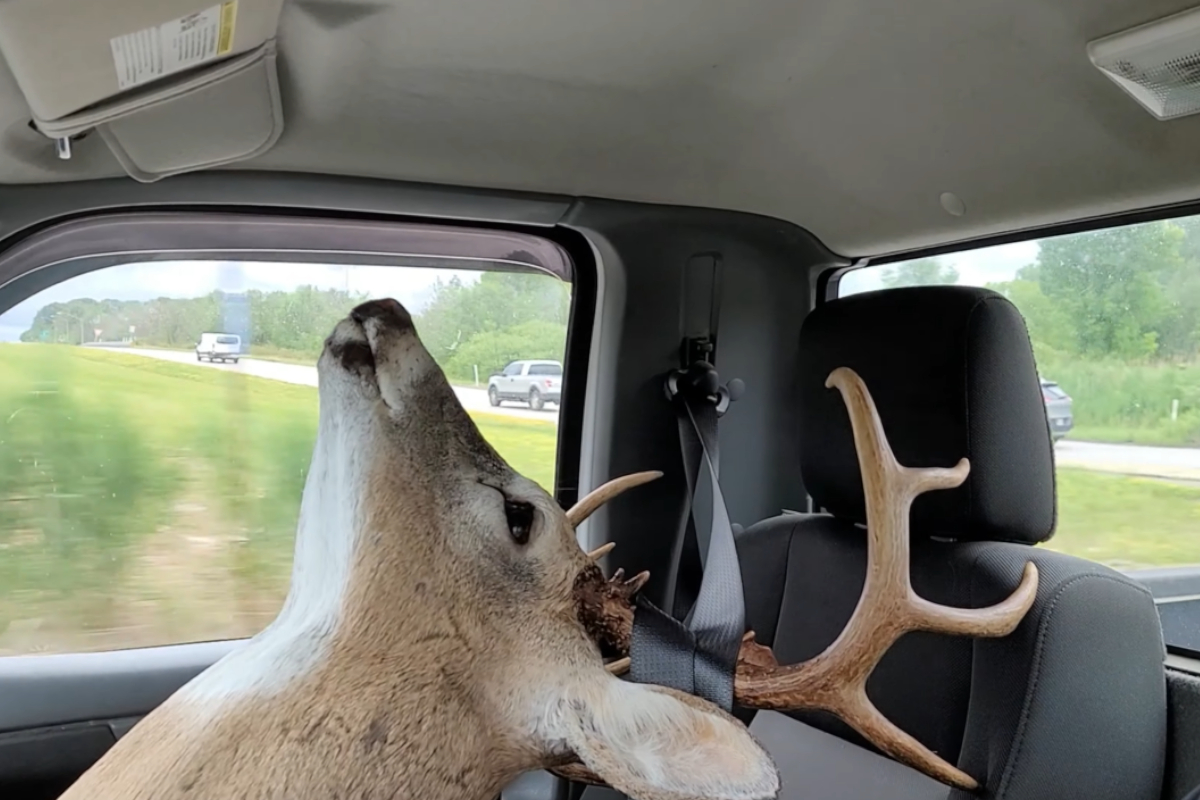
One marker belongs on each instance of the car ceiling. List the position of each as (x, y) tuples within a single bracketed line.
[(849, 118)]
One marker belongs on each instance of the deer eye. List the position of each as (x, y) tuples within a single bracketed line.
[(520, 520)]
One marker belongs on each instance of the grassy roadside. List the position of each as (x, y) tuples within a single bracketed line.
[(1126, 522), (146, 502), (1129, 403)]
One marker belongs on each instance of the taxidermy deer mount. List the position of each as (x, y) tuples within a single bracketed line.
[(442, 631)]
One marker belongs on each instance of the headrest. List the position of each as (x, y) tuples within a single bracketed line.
[(952, 373)]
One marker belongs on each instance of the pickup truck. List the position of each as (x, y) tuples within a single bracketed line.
[(532, 381)]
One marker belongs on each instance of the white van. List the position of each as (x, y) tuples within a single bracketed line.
[(219, 347)]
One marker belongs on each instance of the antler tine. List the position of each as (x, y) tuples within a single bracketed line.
[(835, 681), (601, 551), (598, 497), (620, 666)]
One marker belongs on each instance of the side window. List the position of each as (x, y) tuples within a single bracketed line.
[(1114, 316), (513, 369), (148, 497)]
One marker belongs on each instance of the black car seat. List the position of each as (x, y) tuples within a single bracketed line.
[(1070, 705)]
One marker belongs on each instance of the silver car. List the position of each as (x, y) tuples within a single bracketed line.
[(1058, 409)]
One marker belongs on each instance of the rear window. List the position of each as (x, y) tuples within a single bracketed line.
[(227, 340), (1114, 319), (545, 369)]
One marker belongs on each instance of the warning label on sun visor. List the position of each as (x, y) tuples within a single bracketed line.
[(177, 45)]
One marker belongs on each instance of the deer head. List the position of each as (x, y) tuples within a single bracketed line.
[(464, 574), (470, 574)]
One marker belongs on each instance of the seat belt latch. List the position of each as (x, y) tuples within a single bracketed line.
[(699, 380)]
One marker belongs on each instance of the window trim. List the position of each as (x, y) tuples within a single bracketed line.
[(829, 278), (69, 249)]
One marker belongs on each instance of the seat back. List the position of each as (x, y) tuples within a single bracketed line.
[(1072, 703)]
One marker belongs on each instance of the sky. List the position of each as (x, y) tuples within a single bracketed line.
[(412, 286), (975, 267)]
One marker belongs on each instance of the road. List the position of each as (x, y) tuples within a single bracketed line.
[(472, 399), (1170, 463)]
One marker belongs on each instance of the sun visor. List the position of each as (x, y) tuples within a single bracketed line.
[(170, 85)]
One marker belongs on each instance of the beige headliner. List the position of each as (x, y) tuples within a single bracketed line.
[(848, 117)]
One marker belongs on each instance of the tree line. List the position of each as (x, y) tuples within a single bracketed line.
[(466, 325), (1130, 293), (1114, 319)]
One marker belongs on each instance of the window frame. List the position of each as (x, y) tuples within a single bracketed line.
[(63, 249), (71, 248)]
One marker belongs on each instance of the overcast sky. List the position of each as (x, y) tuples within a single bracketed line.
[(975, 268), (146, 281)]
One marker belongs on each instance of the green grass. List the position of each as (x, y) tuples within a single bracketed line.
[(1125, 522), (529, 446), (146, 502), (1129, 403)]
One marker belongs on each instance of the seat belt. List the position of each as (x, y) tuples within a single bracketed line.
[(696, 651)]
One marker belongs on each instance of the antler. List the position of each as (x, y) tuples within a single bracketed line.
[(835, 681), (598, 497)]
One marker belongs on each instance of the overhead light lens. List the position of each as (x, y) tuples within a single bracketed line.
[(1157, 64)]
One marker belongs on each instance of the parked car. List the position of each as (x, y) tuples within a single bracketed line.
[(219, 347), (534, 382), (1058, 409)]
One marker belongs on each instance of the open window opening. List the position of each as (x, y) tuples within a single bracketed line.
[(158, 410)]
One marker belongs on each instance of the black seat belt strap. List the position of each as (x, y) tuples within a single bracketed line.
[(697, 654)]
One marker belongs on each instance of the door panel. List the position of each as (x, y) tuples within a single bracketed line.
[(61, 713), (39, 691), (1183, 759)]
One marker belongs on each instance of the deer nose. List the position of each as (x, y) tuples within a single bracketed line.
[(386, 312)]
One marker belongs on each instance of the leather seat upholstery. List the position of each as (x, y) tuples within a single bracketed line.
[(1073, 703)]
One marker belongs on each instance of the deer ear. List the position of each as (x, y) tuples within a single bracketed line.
[(654, 743)]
